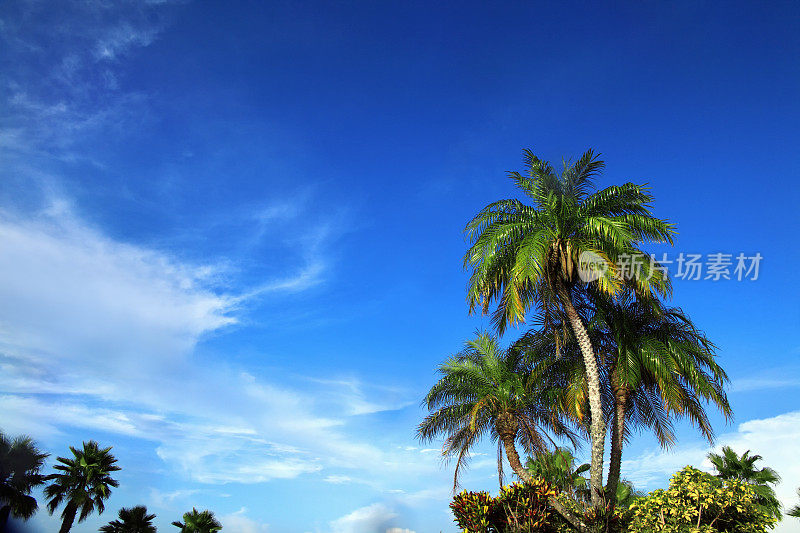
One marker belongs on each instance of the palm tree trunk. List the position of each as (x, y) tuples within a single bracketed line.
[(507, 438), (617, 441), (597, 430), (69, 517)]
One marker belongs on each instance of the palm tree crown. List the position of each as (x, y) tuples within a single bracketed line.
[(83, 482), (131, 520), (198, 522), (520, 254), (20, 466), (730, 465)]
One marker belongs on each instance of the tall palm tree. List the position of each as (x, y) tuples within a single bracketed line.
[(730, 465), (198, 522), (660, 366), (487, 391), (523, 256), (83, 482), (131, 520), (20, 466)]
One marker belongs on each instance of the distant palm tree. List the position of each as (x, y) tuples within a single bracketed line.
[(485, 390), (83, 482), (198, 522), (559, 468), (20, 465), (131, 520), (524, 256), (730, 465), (795, 511)]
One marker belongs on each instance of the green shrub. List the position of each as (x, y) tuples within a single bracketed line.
[(473, 511), (518, 508), (524, 507), (697, 502)]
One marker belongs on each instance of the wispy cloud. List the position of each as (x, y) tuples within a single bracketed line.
[(63, 83), (240, 522), (87, 319), (748, 385)]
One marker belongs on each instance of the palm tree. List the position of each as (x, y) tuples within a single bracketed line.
[(795, 511), (659, 365), (20, 464), (198, 522), (485, 390), (131, 520), (559, 469), (523, 256), (627, 494), (730, 465), (83, 482)]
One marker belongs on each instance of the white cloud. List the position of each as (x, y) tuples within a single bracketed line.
[(240, 523), (337, 480), (375, 518), (103, 334)]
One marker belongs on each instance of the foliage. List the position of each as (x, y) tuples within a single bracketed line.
[(525, 507), (486, 390), (519, 253), (605, 517), (518, 508), (559, 469), (83, 481), (20, 466), (198, 522), (731, 466), (699, 502), (474, 511), (659, 365), (131, 520)]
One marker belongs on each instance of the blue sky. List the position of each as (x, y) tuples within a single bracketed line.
[(231, 242)]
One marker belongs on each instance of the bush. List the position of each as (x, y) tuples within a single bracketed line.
[(697, 502), (518, 508), (473, 511)]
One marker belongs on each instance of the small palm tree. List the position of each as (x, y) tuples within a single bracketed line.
[(198, 522), (20, 464), (131, 520), (627, 494), (795, 511), (83, 482), (559, 469), (487, 391), (524, 256), (730, 465)]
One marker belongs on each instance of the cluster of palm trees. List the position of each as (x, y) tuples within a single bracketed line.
[(606, 354), (82, 483)]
